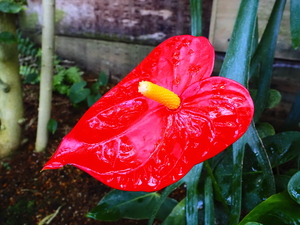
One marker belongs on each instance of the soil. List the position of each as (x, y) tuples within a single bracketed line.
[(28, 195)]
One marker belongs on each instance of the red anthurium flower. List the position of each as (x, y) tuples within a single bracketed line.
[(143, 137)]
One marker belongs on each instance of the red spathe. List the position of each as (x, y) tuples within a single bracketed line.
[(133, 143)]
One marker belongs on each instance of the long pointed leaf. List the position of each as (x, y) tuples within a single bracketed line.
[(196, 17), (264, 57), (192, 195), (236, 66), (163, 197), (295, 22), (177, 216), (209, 214), (216, 186), (238, 149), (186, 179), (237, 60), (257, 147)]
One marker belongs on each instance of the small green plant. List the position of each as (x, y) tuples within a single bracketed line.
[(6, 165), (67, 80), (52, 126)]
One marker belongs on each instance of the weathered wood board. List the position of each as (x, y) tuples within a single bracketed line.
[(114, 58), (134, 21), (223, 17), (97, 33)]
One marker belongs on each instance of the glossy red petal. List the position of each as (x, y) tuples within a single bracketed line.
[(132, 143)]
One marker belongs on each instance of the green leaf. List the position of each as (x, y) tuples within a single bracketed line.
[(177, 216), (73, 75), (237, 60), (92, 99), (52, 125), (278, 209), (95, 88), (294, 187), (264, 129), (103, 79), (264, 57), (295, 22), (187, 178), (238, 149), (259, 150), (78, 93), (196, 17), (163, 197), (282, 147), (7, 37), (209, 213), (254, 190), (31, 78), (58, 78), (192, 194), (62, 89), (221, 178), (274, 98), (10, 7), (253, 223), (133, 205)]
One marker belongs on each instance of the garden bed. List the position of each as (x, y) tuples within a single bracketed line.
[(28, 195)]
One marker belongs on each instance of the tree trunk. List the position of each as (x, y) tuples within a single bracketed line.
[(11, 104), (46, 74)]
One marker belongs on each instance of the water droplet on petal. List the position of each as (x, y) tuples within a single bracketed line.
[(152, 181)]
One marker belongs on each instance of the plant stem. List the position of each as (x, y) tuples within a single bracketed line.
[(46, 74)]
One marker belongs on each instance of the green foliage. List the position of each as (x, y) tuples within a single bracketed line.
[(280, 208), (134, 205), (103, 79), (273, 98), (294, 187), (264, 129), (295, 22), (7, 37), (177, 216), (257, 177), (10, 6), (196, 18), (5, 165), (67, 80), (52, 126), (78, 92)]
